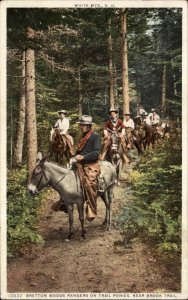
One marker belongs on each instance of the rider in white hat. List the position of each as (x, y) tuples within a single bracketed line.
[(63, 124), (146, 118), (154, 117), (129, 127)]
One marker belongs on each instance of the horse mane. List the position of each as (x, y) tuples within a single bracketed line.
[(56, 165)]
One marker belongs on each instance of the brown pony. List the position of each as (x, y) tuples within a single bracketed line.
[(58, 146)]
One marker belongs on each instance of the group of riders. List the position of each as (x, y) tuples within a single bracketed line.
[(90, 151)]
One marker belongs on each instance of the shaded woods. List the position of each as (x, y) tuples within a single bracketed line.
[(84, 61)]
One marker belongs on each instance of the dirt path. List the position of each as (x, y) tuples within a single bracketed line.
[(96, 265)]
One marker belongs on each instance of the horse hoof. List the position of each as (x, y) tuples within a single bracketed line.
[(67, 240), (83, 237), (69, 237)]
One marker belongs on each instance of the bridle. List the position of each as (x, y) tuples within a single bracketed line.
[(41, 177)]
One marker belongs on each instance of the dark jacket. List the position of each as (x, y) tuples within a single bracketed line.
[(92, 149)]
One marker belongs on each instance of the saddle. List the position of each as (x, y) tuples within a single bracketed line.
[(79, 173)]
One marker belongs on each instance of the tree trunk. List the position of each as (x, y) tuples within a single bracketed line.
[(110, 67), (138, 103), (79, 94), (116, 100), (175, 87), (18, 148), (163, 104), (31, 109), (125, 80)]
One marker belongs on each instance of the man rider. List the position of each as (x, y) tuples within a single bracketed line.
[(146, 119), (114, 124), (129, 127), (142, 110), (63, 125), (154, 117), (87, 157), (155, 120)]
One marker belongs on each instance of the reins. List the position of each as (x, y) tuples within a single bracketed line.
[(60, 179), (43, 173)]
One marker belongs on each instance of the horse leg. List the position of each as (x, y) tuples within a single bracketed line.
[(80, 208), (57, 157), (138, 146), (117, 172), (70, 212), (107, 219)]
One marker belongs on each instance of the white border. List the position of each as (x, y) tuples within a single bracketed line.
[(93, 4)]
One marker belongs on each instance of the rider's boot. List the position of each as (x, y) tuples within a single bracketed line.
[(90, 215)]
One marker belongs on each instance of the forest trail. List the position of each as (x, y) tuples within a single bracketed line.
[(99, 264)]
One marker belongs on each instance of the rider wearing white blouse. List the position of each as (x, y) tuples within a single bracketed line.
[(63, 125), (154, 117), (129, 127), (129, 123)]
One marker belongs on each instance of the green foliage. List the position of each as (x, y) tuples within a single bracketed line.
[(155, 211), (21, 213), (73, 42)]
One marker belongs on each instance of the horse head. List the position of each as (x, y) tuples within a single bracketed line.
[(39, 179), (114, 141)]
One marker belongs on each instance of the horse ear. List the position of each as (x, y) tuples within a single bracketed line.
[(42, 161), (39, 157)]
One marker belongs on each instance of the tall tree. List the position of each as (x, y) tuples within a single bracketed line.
[(111, 71), (18, 147), (79, 93), (124, 50), (164, 80), (31, 109)]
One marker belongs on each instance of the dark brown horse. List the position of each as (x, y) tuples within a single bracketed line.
[(59, 146), (138, 135)]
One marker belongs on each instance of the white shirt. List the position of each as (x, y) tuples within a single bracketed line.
[(154, 118), (141, 111), (147, 120), (129, 123), (63, 125)]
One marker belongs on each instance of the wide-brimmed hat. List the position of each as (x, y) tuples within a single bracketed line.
[(145, 114), (85, 120), (113, 109), (62, 112), (127, 114), (153, 109)]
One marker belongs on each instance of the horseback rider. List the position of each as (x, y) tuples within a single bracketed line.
[(87, 158), (154, 118), (63, 125), (129, 128), (141, 110), (146, 118), (155, 123), (114, 125)]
